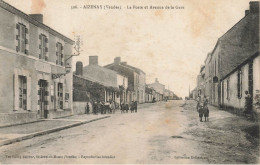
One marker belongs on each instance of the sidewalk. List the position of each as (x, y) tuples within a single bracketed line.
[(17, 133), (225, 135)]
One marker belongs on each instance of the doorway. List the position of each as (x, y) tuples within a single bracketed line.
[(43, 102)]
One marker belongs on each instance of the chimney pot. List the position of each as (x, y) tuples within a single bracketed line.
[(37, 17), (254, 6), (117, 60), (79, 68), (93, 60), (247, 12)]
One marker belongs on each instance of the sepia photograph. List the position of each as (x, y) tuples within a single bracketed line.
[(129, 82)]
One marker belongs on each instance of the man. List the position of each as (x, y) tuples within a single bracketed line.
[(87, 109), (248, 101)]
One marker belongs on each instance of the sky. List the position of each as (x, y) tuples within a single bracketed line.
[(170, 45)]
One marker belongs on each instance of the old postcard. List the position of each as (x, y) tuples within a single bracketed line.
[(129, 82)]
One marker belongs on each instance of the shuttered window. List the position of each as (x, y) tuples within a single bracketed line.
[(59, 54), (43, 47), (239, 84), (21, 38)]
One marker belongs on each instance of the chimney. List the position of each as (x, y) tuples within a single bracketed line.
[(93, 60), (247, 12), (117, 60), (254, 6), (37, 17), (79, 68), (156, 80)]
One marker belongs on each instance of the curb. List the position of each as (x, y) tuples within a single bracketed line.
[(30, 136)]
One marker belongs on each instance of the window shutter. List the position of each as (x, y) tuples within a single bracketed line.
[(61, 47), (39, 92), (57, 62), (26, 41), (40, 37), (46, 58), (17, 26), (56, 44), (26, 30), (61, 55), (46, 40), (17, 37), (61, 63), (46, 49), (40, 46), (57, 54)]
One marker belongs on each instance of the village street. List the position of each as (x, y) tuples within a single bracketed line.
[(163, 132)]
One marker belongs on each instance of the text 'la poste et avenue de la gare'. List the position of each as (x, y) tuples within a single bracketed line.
[(129, 7)]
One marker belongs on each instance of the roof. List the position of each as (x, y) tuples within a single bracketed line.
[(127, 66), (13, 10), (239, 43)]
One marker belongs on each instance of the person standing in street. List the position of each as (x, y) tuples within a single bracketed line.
[(87, 109)]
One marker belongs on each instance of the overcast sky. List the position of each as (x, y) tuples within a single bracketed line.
[(170, 45)]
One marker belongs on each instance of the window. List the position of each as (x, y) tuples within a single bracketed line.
[(22, 93), (239, 84), (60, 58), (21, 38), (228, 89), (43, 47), (60, 95)]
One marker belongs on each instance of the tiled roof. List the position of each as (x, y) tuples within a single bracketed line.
[(239, 43)]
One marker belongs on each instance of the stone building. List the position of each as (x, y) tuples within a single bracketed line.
[(233, 66), (96, 83), (35, 78), (136, 79), (159, 88)]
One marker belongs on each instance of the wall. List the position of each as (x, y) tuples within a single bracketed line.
[(233, 100), (79, 107)]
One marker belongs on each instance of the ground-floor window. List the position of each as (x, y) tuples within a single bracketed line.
[(22, 92), (60, 95)]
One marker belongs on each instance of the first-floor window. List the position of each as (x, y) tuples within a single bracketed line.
[(60, 95), (22, 92)]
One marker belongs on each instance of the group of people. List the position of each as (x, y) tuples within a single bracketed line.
[(110, 107), (203, 110), (125, 107)]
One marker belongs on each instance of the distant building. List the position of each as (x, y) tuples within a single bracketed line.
[(136, 79), (158, 87), (35, 82)]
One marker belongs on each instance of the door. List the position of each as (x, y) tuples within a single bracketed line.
[(43, 102)]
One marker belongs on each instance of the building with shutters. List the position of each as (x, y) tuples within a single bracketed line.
[(34, 80), (159, 88), (233, 66), (136, 80)]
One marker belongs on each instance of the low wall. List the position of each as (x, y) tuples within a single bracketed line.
[(59, 113), (7, 119), (79, 107)]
